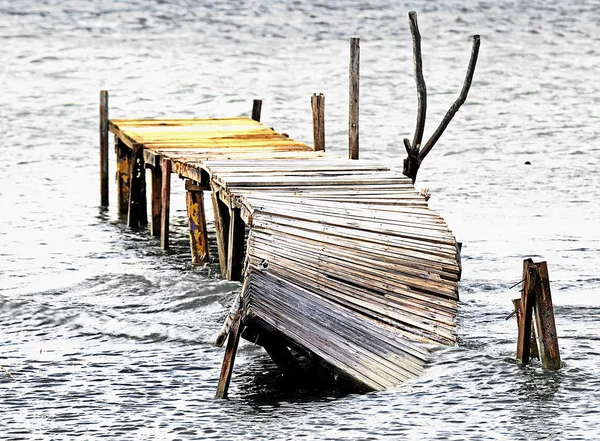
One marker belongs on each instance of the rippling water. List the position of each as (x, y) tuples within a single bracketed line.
[(107, 336)]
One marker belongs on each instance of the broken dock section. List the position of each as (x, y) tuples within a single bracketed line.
[(344, 261)]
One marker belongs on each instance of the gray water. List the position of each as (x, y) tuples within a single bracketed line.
[(107, 336)]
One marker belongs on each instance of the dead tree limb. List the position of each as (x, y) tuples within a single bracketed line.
[(415, 153)]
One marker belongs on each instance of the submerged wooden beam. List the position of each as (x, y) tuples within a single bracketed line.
[(123, 153), (104, 148), (229, 358), (544, 316), (166, 203), (354, 95), (318, 116), (156, 194), (197, 225), (235, 243)]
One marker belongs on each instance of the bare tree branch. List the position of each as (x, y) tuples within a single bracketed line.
[(420, 80), (459, 102)]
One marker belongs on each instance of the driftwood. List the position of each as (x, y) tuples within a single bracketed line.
[(417, 151)]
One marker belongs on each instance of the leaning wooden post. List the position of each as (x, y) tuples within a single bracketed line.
[(197, 222), (104, 148), (256, 109), (318, 116), (229, 358), (354, 89), (221, 215), (166, 202), (544, 317), (527, 302), (533, 349)]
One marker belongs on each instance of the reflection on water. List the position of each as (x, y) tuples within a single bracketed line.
[(106, 335)]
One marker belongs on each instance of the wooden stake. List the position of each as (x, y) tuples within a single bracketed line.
[(533, 349), (318, 115), (197, 224), (256, 109), (123, 165), (221, 214), (229, 359), (235, 252), (166, 202), (104, 148), (354, 94), (544, 316), (137, 188), (527, 302), (156, 194)]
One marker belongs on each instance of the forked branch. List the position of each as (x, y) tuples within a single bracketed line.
[(416, 154)]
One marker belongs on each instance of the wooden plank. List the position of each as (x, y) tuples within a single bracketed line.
[(229, 358), (104, 148), (197, 226), (354, 95), (123, 154), (533, 349), (544, 316), (166, 203)]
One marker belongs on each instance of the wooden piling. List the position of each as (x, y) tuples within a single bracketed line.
[(166, 202), (354, 95), (229, 358), (221, 215), (123, 153), (533, 349), (156, 194), (136, 214), (544, 316), (527, 302), (256, 109), (104, 148), (318, 115), (236, 242), (197, 224)]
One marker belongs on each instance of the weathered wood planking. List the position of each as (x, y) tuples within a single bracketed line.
[(344, 258)]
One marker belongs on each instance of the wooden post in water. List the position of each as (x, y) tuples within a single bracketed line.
[(354, 94), (318, 116), (166, 203), (544, 317), (123, 154), (533, 349), (236, 242), (527, 302), (256, 109), (156, 194), (104, 148), (197, 222), (136, 214), (221, 214), (229, 358)]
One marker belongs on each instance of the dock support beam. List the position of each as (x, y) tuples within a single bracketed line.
[(137, 214), (256, 109), (156, 194), (166, 202), (230, 352), (104, 148), (197, 223), (123, 154), (235, 251), (221, 214), (354, 94), (318, 114)]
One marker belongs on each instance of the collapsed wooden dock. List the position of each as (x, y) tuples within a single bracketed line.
[(343, 260)]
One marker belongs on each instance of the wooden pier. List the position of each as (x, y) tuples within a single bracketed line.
[(343, 261)]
